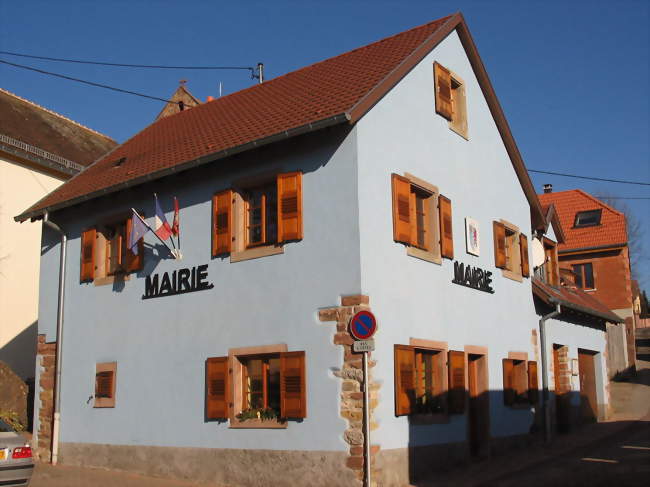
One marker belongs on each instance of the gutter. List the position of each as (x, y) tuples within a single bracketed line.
[(542, 337), (584, 309), (200, 161), (59, 337)]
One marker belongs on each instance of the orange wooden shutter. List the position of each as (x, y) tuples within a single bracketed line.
[(289, 206), (533, 386), (499, 231), (509, 392), (555, 267), (216, 385), (293, 391), (133, 262), (456, 382), (523, 247), (443, 91), (222, 222), (403, 224), (446, 233), (404, 380), (88, 255)]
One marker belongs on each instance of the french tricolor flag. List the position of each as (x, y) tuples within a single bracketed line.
[(160, 225)]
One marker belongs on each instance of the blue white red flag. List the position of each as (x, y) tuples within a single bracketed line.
[(160, 225), (138, 230)]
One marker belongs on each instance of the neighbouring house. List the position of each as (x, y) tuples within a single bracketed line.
[(595, 253), (180, 100), (383, 179), (39, 150)]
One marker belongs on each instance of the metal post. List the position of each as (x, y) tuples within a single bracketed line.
[(260, 72), (542, 339), (366, 420)]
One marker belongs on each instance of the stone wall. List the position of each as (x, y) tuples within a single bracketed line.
[(351, 375), (46, 359)]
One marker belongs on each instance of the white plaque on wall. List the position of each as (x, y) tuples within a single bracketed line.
[(472, 236)]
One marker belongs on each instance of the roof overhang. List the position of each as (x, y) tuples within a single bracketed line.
[(598, 248)]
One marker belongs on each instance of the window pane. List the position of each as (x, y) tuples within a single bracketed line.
[(420, 219), (585, 218), (577, 268), (589, 275), (254, 384), (274, 384), (271, 215)]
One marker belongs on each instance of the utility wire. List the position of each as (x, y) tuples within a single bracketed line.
[(623, 197), (592, 178), (91, 83), (122, 65)]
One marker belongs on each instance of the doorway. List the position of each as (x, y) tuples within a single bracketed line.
[(587, 370), (479, 405)]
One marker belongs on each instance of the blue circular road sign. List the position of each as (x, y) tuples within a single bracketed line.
[(363, 325)]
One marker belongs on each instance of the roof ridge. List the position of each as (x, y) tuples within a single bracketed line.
[(56, 114)]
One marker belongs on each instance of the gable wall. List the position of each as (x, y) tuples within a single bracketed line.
[(413, 298)]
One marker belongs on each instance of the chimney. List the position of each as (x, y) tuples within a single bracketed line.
[(548, 188), (209, 98)]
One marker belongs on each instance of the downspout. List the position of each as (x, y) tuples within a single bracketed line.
[(59, 338), (542, 338)]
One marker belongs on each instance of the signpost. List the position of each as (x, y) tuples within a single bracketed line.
[(363, 326)]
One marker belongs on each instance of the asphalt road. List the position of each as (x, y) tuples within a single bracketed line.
[(621, 460)]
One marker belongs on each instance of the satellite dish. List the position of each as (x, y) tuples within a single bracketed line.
[(539, 256)]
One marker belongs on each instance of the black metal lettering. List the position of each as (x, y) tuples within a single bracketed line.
[(151, 286), (184, 280)]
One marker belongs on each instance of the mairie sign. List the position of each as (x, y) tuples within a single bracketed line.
[(177, 282), (468, 276), (363, 325)]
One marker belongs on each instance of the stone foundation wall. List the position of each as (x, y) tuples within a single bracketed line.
[(351, 375), (245, 468), (46, 359)]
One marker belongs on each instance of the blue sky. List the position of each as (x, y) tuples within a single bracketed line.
[(572, 77)]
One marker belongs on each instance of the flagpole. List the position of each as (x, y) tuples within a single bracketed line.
[(149, 227)]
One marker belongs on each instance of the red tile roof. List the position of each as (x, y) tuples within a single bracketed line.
[(575, 299), (35, 125), (306, 96), (611, 230)]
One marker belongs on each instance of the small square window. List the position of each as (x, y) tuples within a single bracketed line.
[(450, 98), (510, 250), (584, 275), (515, 382), (261, 215), (105, 375), (587, 218)]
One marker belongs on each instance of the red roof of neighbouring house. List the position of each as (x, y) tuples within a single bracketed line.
[(611, 230), (32, 124), (338, 90), (574, 299)]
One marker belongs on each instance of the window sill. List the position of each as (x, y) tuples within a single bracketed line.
[(512, 275), (433, 418), (103, 281), (423, 255), (104, 402), (257, 424), (256, 253)]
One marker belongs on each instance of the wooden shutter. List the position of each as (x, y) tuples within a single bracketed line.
[(509, 392), (523, 252), (446, 233), (499, 231), (293, 391), (88, 255), (404, 380), (533, 386), (216, 387), (289, 206), (104, 384), (555, 267), (443, 91), (222, 222), (403, 224), (133, 262), (456, 382)]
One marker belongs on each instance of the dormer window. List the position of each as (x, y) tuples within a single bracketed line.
[(587, 218)]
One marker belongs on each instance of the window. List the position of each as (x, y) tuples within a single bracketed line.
[(254, 220), (551, 265), (450, 99), (515, 382), (510, 250), (422, 219), (420, 381), (105, 385), (584, 275), (587, 218), (256, 389), (105, 252)]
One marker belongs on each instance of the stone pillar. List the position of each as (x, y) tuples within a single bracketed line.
[(351, 375), (46, 358)]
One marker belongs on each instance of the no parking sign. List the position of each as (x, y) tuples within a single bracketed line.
[(363, 325)]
